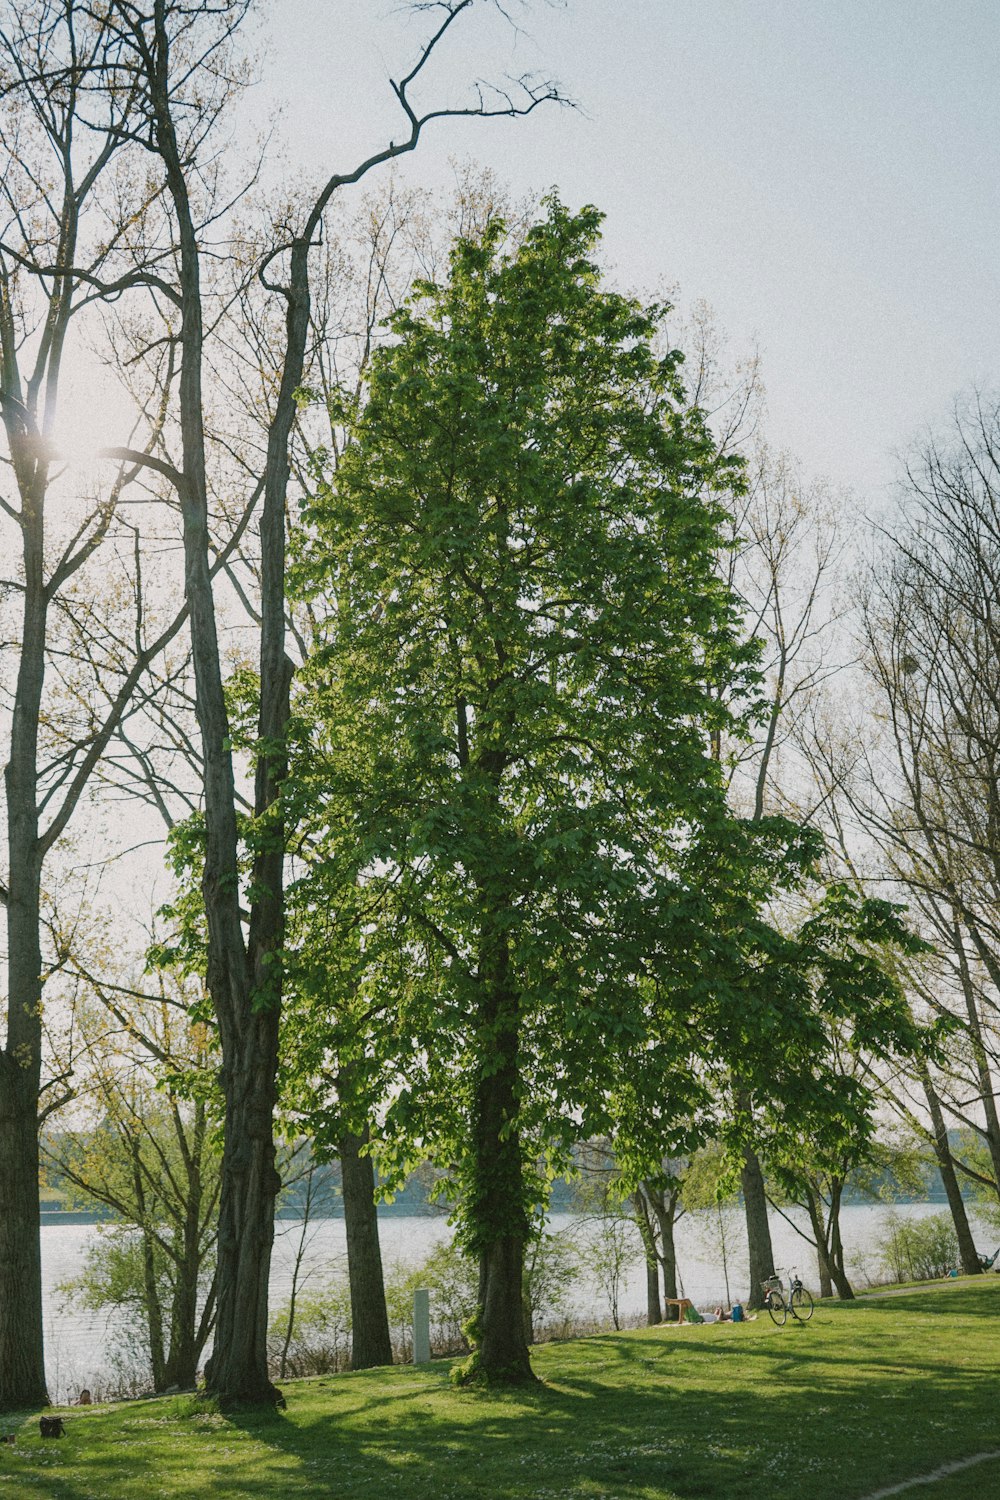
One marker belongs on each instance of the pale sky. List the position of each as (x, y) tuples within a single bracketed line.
[(824, 174)]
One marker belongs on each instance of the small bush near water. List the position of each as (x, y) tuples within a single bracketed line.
[(320, 1341), (917, 1249)]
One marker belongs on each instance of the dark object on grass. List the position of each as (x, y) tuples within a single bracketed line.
[(51, 1426), (9, 1437)]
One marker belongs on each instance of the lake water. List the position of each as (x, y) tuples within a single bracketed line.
[(77, 1342)]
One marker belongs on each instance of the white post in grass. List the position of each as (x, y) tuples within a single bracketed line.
[(421, 1326)]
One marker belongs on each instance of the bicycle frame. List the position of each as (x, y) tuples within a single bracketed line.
[(775, 1284)]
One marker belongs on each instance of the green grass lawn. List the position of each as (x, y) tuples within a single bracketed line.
[(861, 1398)]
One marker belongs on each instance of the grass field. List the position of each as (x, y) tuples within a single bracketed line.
[(863, 1397)]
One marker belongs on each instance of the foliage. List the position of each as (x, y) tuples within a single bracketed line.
[(321, 1340), (153, 1159), (974, 1152), (608, 1246), (113, 1281), (918, 1249), (551, 1273), (505, 733)]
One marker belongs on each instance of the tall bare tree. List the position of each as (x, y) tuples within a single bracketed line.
[(182, 64), (783, 566), (60, 143), (925, 786)]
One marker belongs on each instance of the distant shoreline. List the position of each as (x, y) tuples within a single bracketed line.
[(52, 1218)]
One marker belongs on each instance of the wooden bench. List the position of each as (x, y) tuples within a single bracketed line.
[(681, 1303)]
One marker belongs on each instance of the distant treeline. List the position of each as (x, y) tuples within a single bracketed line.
[(425, 1192)]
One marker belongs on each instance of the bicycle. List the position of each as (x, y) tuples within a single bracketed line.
[(800, 1302)]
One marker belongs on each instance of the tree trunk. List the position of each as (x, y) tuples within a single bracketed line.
[(22, 1362), (502, 1355), (968, 1258), (182, 1360), (665, 1211), (495, 1205), (237, 1370), (154, 1315), (184, 1350), (844, 1289), (22, 1354), (370, 1341), (186, 1328), (527, 1310), (654, 1308), (987, 1087), (815, 1212), (150, 1289), (758, 1228), (244, 978)]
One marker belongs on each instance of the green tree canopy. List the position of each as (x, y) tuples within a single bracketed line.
[(505, 738)]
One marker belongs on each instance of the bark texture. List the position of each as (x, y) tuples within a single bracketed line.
[(665, 1208), (654, 1308), (758, 1227), (496, 1207), (967, 1253), (370, 1341), (22, 1363), (22, 1357), (243, 977)]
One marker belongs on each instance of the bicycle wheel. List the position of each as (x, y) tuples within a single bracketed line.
[(776, 1307), (801, 1303)]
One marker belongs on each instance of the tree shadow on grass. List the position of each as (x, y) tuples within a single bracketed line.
[(727, 1413)]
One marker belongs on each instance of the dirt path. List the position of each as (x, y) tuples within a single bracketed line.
[(921, 1286), (945, 1471)]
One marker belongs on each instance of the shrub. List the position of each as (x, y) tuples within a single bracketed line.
[(320, 1341), (918, 1249), (551, 1270), (321, 1332)]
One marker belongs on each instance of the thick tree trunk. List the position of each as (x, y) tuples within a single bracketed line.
[(22, 1354), (22, 1363), (968, 1258), (758, 1227), (654, 1308), (844, 1289), (815, 1211), (495, 1205), (244, 977), (370, 1341), (502, 1352), (237, 1370), (665, 1211)]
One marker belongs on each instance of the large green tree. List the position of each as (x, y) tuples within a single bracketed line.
[(507, 731)]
